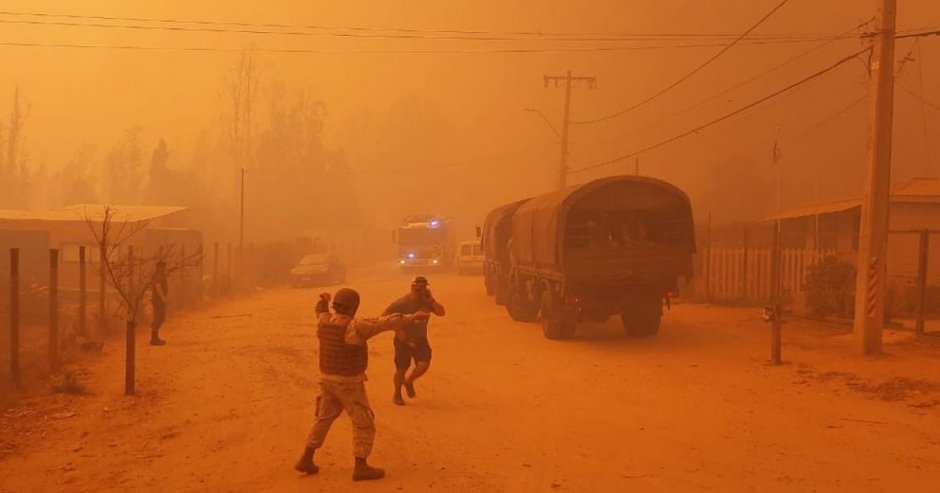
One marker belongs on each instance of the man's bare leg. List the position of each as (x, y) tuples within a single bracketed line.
[(421, 367), (399, 381)]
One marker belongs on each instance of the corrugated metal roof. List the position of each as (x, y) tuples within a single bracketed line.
[(918, 190), (926, 189), (93, 212), (817, 209)]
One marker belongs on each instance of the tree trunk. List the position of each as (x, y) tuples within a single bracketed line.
[(130, 354)]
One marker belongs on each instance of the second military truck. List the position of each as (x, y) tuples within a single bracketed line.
[(613, 246)]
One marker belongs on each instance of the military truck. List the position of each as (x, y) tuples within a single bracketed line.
[(497, 231), (613, 246)]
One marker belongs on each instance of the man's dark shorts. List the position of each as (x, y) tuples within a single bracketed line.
[(419, 350)]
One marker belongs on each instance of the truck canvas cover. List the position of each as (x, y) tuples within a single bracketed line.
[(540, 225), (497, 228)]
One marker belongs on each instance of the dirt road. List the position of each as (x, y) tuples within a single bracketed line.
[(227, 404)]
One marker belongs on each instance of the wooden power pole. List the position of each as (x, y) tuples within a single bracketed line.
[(566, 122), (873, 231)]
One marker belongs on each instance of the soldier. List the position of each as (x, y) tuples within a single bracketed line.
[(344, 357), (412, 342), (158, 292)]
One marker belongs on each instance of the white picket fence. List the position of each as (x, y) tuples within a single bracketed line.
[(743, 274)]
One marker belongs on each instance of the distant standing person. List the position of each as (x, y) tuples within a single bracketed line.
[(344, 358), (412, 342), (158, 288)]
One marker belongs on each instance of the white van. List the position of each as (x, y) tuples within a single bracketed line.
[(469, 257)]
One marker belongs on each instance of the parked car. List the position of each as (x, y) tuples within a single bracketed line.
[(318, 269), (470, 257)]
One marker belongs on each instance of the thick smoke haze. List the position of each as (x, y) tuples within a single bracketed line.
[(354, 121)]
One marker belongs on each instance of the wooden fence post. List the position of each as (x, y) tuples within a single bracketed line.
[(775, 285), (744, 258), (130, 337), (53, 308), (923, 260), (229, 283), (183, 290), (82, 292), (15, 316), (708, 260), (216, 287)]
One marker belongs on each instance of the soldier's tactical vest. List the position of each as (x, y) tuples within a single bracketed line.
[(337, 357)]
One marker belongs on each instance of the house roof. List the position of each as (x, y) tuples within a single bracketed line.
[(918, 190), (93, 212)]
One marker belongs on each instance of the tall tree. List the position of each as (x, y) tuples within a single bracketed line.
[(124, 169)]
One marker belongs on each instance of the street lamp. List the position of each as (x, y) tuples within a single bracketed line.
[(545, 119)]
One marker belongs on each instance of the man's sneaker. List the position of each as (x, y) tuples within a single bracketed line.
[(398, 400), (365, 472), (410, 389), (157, 342)]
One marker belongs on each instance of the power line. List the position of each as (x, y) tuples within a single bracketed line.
[(835, 116), (921, 97), (779, 66), (535, 34), (29, 44), (922, 34), (726, 116), (439, 37), (690, 74)]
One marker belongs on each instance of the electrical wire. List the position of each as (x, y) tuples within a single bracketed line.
[(256, 26), (743, 83), (689, 75), (30, 44), (919, 96), (724, 117)]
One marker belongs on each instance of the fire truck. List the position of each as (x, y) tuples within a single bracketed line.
[(425, 241)]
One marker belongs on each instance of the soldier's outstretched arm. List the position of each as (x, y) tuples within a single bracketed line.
[(362, 329)]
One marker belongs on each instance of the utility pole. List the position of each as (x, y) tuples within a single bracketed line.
[(241, 231), (241, 220), (873, 231), (567, 79)]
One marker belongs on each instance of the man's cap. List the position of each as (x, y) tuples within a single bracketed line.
[(419, 281)]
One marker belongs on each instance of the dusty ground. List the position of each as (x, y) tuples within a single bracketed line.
[(227, 404)]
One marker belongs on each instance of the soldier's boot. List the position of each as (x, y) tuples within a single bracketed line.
[(305, 464), (155, 339), (365, 472)]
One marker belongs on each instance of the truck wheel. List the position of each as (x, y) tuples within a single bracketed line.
[(520, 308), (488, 282), (501, 290), (643, 317), (558, 322)]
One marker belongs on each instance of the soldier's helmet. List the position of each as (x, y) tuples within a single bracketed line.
[(346, 301)]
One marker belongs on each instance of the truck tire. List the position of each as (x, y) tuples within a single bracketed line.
[(488, 283), (501, 290), (520, 308), (558, 322), (643, 317)]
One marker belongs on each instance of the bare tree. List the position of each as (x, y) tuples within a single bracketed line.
[(238, 121), (131, 272)]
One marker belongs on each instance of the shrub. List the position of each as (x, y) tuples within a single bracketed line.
[(830, 288)]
